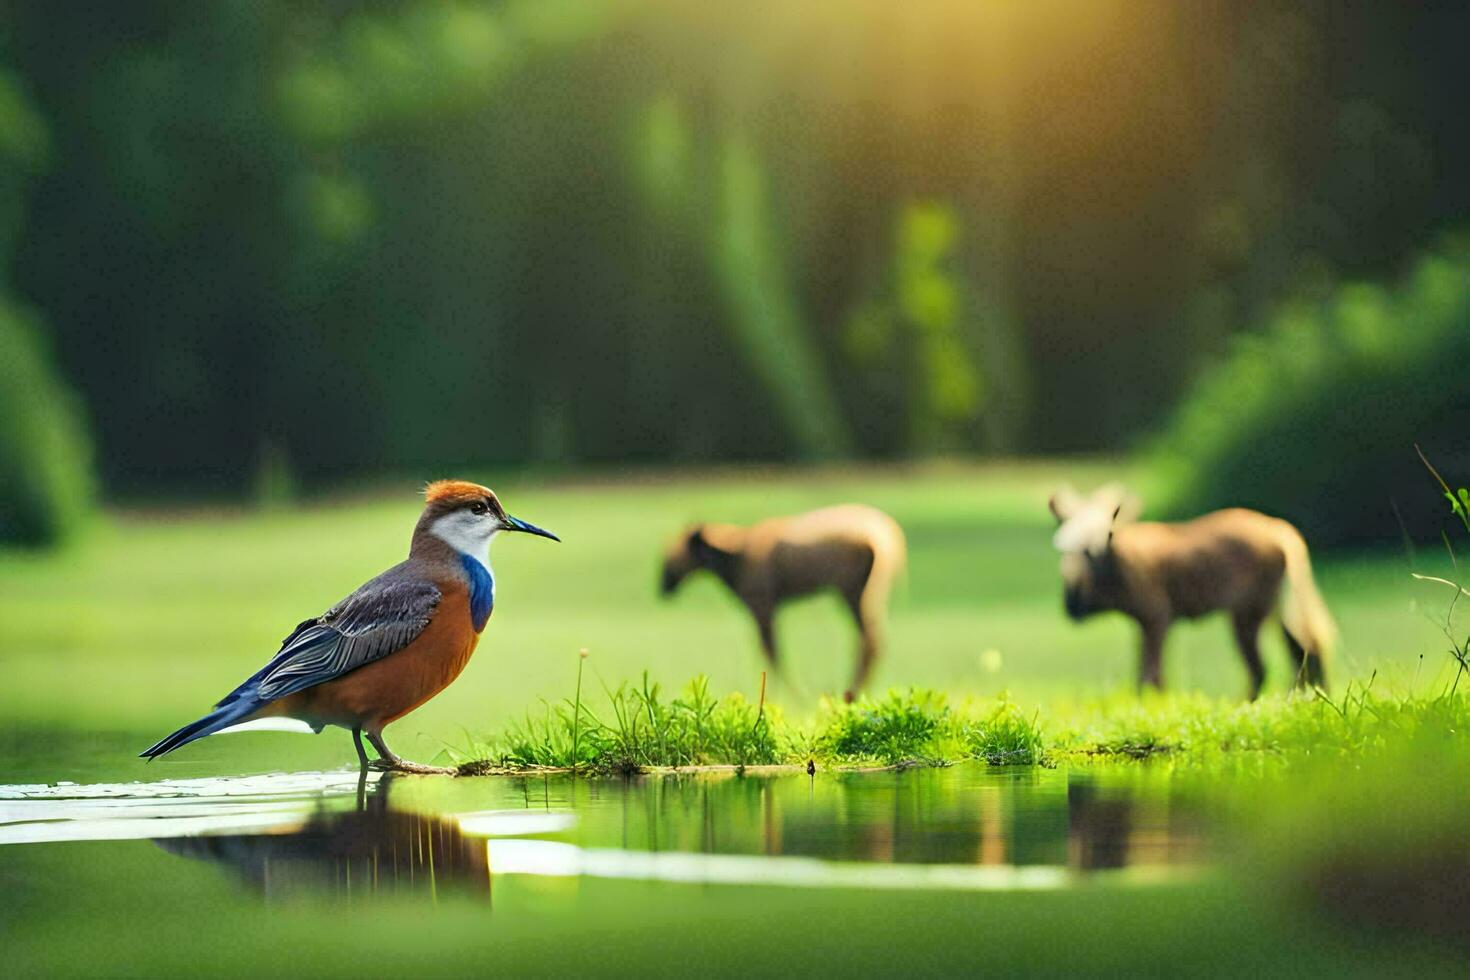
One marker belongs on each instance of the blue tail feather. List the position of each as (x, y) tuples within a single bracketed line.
[(222, 717)]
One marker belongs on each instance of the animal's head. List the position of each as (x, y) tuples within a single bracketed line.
[(1085, 527), (468, 516), (694, 548), (680, 558)]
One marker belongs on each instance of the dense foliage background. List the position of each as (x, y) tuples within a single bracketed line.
[(268, 242), (1312, 417)]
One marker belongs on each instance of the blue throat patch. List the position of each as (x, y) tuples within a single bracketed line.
[(482, 590)]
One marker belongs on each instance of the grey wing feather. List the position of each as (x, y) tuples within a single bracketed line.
[(382, 617)]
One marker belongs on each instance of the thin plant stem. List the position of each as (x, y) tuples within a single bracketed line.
[(1441, 581), (577, 708)]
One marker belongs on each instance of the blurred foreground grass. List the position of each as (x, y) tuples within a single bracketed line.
[(563, 927), (144, 626)]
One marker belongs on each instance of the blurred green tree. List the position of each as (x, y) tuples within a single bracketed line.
[(46, 482), (917, 321), (287, 243), (1315, 417)]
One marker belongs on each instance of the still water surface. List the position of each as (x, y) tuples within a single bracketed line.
[(968, 827), (111, 867)]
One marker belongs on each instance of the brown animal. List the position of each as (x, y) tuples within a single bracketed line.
[(1231, 561), (855, 550)]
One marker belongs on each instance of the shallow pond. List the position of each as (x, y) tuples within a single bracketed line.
[(965, 827), (327, 872)]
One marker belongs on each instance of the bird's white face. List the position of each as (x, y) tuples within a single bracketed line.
[(467, 531), (470, 527)]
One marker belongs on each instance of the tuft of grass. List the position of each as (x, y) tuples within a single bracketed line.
[(640, 728), (900, 728), (1006, 737), (919, 727)]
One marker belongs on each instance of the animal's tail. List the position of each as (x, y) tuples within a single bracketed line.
[(890, 553), (885, 539), (217, 720), (1303, 612)]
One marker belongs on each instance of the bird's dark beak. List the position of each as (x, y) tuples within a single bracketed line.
[(516, 524)]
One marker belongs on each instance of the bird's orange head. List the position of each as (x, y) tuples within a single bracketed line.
[(445, 495)]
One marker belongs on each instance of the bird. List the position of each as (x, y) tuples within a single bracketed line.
[(387, 648)]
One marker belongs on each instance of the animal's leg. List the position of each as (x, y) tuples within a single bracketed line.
[(867, 656), (765, 624), (869, 639), (763, 610), (1151, 660), (1247, 623), (1309, 670), (362, 759), (391, 763)]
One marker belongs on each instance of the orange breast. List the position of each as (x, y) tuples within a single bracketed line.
[(387, 689)]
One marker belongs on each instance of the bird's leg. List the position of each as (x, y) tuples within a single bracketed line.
[(386, 757), (391, 763), (362, 759)]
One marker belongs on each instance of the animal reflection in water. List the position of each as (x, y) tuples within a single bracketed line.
[(1089, 828), (373, 849), (1109, 830), (376, 849), (953, 817)]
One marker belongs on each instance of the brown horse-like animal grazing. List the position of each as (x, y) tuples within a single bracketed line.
[(1232, 561), (855, 550)]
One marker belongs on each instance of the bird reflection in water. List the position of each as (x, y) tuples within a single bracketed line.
[(373, 849)]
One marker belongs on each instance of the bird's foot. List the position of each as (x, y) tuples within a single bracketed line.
[(388, 760), (413, 768)]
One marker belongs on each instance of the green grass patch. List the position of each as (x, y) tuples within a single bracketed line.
[(642, 728), (1006, 736), (1198, 729), (919, 727), (902, 727)]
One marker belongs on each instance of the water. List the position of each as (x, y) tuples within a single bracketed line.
[(926, 870), (966, 827)]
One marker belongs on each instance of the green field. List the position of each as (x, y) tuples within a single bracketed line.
[(112, 644), (160, 613)]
